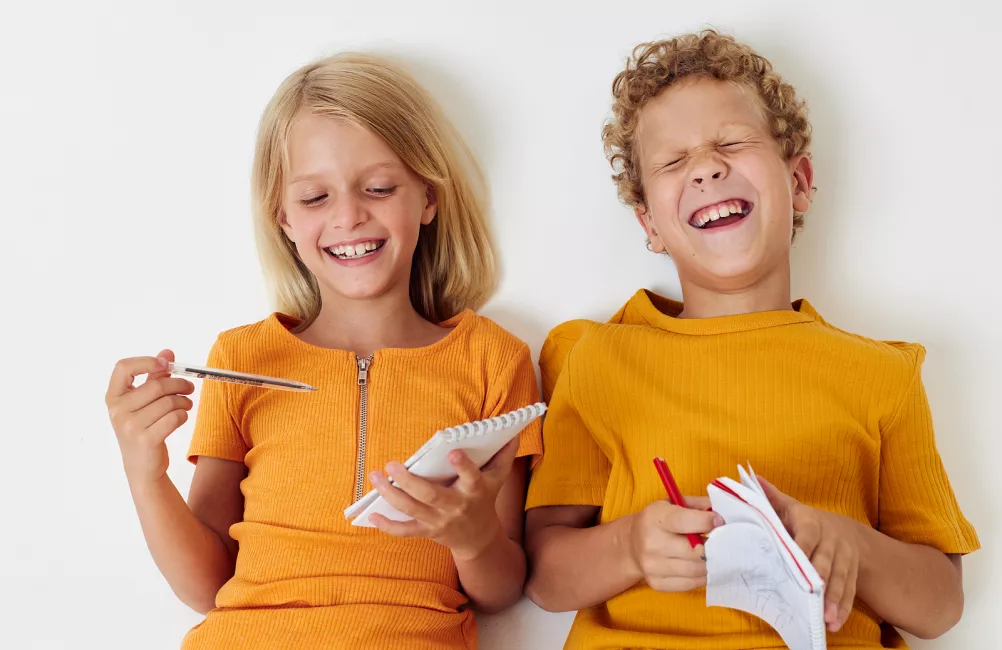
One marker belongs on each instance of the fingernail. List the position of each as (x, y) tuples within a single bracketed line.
[(718, 521), (162, 362), (375, 478)]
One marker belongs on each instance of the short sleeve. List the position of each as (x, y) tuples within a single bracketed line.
[(916, 502), (217, 434), (515, 387), (574, 470)]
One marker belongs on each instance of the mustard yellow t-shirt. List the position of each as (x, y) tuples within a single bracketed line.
[(837, 421), (305, 577)]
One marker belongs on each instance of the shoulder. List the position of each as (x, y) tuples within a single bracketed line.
[(895, 364), (493, 344), (246, 342)]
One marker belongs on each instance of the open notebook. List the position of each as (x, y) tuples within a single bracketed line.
[(753, 564), (480, 440)]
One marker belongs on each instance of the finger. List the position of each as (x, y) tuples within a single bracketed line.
[(410, 528), (835, 587), (469, 475), (849, 594), (680, 521), (664, 546), (153, 390), (678, 568), (167, 425), (779, 501), (502, 461), (399, 499), (164, 354), (823, 559), (807, 535), (147, 416), (416, 487), (126, 371), (697, 503), (676, 584)]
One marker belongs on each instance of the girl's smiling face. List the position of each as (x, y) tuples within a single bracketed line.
[(353, 209)]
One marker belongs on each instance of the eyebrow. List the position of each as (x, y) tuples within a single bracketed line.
[(386, 164)]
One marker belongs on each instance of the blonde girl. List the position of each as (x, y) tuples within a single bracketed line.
[(371, 231)]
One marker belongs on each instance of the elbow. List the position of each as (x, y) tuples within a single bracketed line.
[(947, 617), (201, 604), (201, 600), (545, 601)]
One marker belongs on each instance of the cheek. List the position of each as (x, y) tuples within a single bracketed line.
[(303, 227)]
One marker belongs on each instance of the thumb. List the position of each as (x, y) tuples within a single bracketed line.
[(164, 354), (777, 499)]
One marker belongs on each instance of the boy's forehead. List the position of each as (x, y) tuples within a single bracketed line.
[(700, 108)]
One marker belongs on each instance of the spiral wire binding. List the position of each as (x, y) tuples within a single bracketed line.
[(480, 427)]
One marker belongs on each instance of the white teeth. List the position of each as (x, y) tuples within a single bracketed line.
[(354, 251), (714, 215)]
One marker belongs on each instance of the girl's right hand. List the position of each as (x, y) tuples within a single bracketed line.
[(660, 549), (144, 416)]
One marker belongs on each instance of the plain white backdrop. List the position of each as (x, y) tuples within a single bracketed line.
[(126, 133)]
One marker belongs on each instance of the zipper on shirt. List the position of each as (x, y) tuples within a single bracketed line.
[(363, 415)]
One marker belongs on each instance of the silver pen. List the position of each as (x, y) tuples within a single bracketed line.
[(232, 377)]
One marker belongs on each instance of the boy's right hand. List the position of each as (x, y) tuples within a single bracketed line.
[(660, 549), (144, 416)]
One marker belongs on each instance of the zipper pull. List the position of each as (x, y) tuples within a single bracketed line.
[(363, 369)]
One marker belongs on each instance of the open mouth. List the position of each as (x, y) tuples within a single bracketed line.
[(355, 251), (720, 214)]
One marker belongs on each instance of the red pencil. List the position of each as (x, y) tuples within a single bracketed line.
[(674, 494)]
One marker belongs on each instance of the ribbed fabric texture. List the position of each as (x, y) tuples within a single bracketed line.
[(305, 578), (838, 421)]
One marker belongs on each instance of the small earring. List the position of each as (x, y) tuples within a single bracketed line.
[(647, 242)]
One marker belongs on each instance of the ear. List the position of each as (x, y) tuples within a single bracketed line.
[(645, 217), (803, 180), (430, 210), (284, 223)]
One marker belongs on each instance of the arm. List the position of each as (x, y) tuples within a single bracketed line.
[(191, 545), (916, 588), (493, 578), (576, 564)]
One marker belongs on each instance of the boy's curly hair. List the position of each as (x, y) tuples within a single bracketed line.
[(662, 64)]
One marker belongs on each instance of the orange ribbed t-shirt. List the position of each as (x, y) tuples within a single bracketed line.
[(305, 578), (837, 421)]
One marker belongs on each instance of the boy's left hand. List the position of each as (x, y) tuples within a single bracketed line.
[(832, 543), (461, 516)]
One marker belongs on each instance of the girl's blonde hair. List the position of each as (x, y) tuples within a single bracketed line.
[(453, 266)]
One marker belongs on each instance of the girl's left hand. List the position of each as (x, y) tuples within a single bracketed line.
[(461, 516), (832, 543)]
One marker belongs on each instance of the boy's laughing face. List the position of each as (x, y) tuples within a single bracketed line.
[(719, 194)]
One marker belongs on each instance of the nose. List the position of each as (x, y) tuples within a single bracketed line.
[(706, 168), (347, 212)]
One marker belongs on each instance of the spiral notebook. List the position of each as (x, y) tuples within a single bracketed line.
[(480, 440), (753, 564)]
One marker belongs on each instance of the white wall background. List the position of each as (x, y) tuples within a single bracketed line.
[(126, 133)]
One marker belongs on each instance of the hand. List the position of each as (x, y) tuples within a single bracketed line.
[(461, 516), (832, 543), (660, 549), (143, 417)]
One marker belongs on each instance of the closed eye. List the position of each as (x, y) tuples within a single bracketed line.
[(671, 165), (313, 200), (382, 191)]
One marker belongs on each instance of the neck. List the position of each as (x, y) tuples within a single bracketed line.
[(364, 326), (768, 293)]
